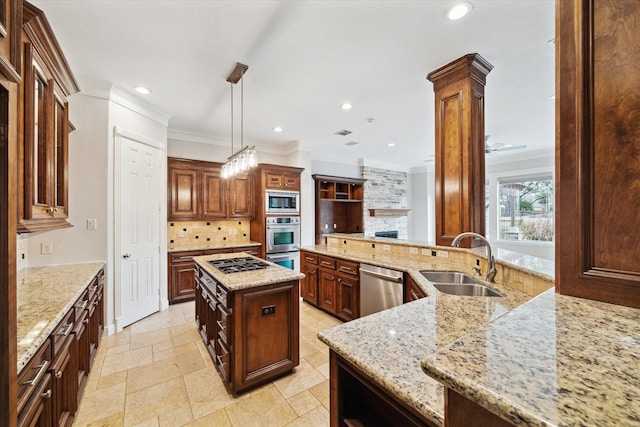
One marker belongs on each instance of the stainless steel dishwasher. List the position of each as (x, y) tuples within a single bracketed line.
[(380, 288)]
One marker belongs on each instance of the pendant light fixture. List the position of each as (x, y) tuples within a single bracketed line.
[(245, 158)]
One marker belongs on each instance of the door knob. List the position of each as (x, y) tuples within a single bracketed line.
[(126, 256)]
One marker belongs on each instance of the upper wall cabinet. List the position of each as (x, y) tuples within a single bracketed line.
[(196, 191), (47, 81), (10, 31)]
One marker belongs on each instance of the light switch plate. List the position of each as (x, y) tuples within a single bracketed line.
[(413, 250), (443, 254), (92, 224), (46, 248)]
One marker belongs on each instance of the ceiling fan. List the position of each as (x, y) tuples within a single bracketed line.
[(492, 148)]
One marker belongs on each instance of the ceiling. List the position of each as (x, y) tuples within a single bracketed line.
[(306, 58)]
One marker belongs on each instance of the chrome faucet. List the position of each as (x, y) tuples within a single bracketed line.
[(491, 264)]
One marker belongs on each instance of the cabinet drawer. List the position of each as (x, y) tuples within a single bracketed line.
[(327, 262), (223, 324), (179, 257), (32, 374), (221, 296), (348, 267), (222, 358), (61, 332), (310, 258)]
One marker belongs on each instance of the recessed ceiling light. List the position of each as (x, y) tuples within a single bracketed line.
[(391, 144), (346, 106), (458, 11), (277, 129), (142, 90)]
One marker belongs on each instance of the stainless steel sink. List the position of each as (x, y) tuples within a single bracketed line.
[(448, 277), (456, 283), (466, 289)]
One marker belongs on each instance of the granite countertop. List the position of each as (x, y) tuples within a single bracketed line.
[(196, 247), (44, 296), (554, 361), (410, 332), (247, 279)]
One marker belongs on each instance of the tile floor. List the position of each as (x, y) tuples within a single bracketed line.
[(157, 372)]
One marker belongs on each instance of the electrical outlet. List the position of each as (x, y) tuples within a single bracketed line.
[(443, 254), (413, 250), (92, 224), (269, 309), (181, 233), (46, 248), (426, 251)]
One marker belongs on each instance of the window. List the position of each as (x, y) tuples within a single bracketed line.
[(525, 208)]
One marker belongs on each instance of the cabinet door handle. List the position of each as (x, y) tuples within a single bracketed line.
[(85, 321), (67, 329), (47, 394), (41, 370), (59, 374), (125, 256)]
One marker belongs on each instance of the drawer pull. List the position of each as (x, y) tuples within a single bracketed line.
[(220, 325), (308, 259), (83, 306), (220, 362), (41, 370), (47, 394), (59, 374), (85, 321), (67, 328)]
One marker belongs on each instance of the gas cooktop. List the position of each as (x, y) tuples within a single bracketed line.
[(237, 265)]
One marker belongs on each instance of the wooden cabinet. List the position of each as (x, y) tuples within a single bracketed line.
[(356, 400), (35, 390), (412, 291), (181, 268), (309, 285), (281, 178), (252, 335), (462, 412), (459, 151), (52, 382), (331, 284), (47, 82), (338, 205), (196, 191), (597, 128)]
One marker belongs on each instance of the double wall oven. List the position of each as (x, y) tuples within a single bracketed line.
[(283, 241)]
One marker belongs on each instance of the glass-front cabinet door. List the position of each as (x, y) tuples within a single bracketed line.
[(46, 131)]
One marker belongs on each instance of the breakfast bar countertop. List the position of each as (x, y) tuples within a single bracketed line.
[(246, 279), (554, 361), (44, 296)]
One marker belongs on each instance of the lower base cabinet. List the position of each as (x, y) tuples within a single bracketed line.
[(252, 335), (52, 382), (331, 284), (355, 400), (462, 412)]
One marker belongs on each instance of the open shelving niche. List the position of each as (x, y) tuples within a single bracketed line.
[(338, 205)]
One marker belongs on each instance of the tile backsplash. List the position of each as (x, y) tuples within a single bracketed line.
[(196, 234)]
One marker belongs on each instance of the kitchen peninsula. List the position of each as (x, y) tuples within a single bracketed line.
[(247, 312), (529, 358)]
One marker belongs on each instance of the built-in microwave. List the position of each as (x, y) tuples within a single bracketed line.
[(279, 202)]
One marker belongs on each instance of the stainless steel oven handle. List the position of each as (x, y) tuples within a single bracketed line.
[(278, 256)]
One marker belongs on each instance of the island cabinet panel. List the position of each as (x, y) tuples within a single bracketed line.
[(462, 412), (356, 400), (597, 143), (251, 334)]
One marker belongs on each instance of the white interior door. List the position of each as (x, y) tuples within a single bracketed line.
[(138, 229)]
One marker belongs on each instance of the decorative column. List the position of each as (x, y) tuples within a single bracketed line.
[(459, 155)]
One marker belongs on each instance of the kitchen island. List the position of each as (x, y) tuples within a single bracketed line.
[(248, 317)]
